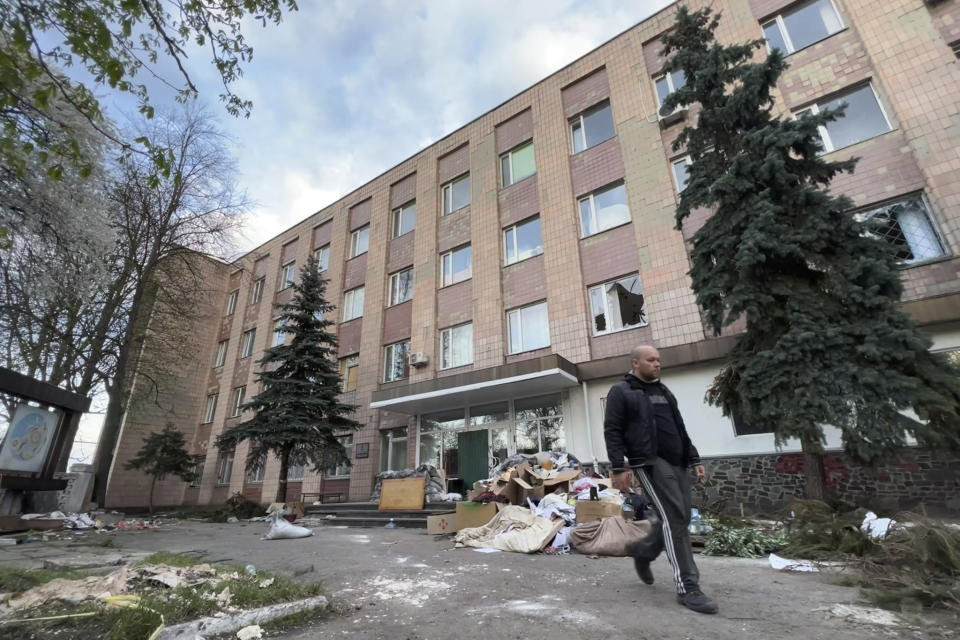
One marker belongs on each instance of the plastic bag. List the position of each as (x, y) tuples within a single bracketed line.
[(280, 529)]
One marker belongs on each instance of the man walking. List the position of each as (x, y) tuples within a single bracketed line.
[(646, 439)]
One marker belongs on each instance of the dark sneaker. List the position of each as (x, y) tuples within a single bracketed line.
[(643, 570), (697, 601)]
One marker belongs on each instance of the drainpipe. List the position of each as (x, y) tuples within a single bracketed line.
[(586, 418)]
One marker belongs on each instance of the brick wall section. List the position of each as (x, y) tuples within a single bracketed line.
[(602, 255), (596, 167), (400, 252), (887, 169), (946, 18), (519, 201), (403, 191), (355, 273), (586, 92), (454, 305), (616, 344), (322, 234), (360, 214), (826, 67), (763, 9), (517, 129), (524, 282), (453, 164), (396, 322), (349, 337), (453, 231)]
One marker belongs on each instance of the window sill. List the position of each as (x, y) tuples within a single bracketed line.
[(594, 235), (513, 184), (393, 382), (348, 320), (510, 264), (222, 485), (518, 353), (406, 233), (852, 145), (282, 289), (360, 254), (610, 333), (593, 146), (453, 284), (903, 266), (455, 211), (397, 304), (812, 44), (455, 366)]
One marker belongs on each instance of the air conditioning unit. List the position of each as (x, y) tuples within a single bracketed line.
[(676, 115), (419, 359)]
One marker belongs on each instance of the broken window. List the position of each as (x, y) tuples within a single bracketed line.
[(905, 224), (618, 305)]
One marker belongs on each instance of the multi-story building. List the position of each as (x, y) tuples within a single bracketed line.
[(490, 287)]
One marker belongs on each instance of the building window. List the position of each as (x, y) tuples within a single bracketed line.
[(863, 119), (404, 219), (211, 408), (517, 164), (456, 194), (221, 358), (401, 287), (742, 428), (343, 470), (288, 275), (523, 240), (257, 294), (667, 84), (295, 472), (197, 472), (322, 256), (905, 224), (529, 328), (279, 336), (395, 365), (255, 471), (604, 209), (224, 468), (360, 241), (539, 424), (246, 345), (353, 304), (456, 266), (681, 172), (456, 346), (393, 450), (232, 302), (592, 127), (237, 402), (955, 47), (802, 27), (617, 305), (349, 370)]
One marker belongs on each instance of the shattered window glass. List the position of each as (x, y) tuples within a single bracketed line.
[(906, 226), (618, 305)]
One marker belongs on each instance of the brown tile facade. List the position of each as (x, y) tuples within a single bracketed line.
[(899, 46)]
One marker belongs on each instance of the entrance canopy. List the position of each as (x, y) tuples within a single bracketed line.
[(515, 380)]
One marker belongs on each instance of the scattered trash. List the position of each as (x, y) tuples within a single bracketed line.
[(72, 591), (233, 520), (281, 529), (865, 615), (223, 598), (390, 525), (783, 564), (266, 583), (876, 528), (487, 550), (253, 632), (250, 569)]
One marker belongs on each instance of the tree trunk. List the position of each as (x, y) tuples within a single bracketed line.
[(813, 471), (153, 483), (282, 485)]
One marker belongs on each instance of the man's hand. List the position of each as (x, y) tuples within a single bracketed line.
[(701, 473), (623, 480)]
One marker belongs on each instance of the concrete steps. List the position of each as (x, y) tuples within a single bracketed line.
[(367, 514)]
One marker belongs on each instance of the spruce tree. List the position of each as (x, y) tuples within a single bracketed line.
[(298, 409), (826, 342), (163, 454)]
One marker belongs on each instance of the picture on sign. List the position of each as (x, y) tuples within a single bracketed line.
[(28, 439), (362, 450)]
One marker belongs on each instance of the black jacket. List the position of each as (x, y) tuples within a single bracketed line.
[(630, 430)]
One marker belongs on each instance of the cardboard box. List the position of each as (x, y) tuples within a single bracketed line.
[(475, 514), (442, 523), (590, 510)]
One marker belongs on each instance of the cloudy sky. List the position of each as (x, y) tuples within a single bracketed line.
[(345, 89)]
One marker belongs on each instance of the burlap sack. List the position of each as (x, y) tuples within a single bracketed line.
[(608, 537)]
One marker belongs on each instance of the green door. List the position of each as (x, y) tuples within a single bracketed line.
[(472, 457)]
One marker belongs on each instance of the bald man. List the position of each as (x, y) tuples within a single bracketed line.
[(647, 440)]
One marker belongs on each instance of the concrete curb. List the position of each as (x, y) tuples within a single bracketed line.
[(230, 624)]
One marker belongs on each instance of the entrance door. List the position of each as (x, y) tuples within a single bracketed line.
[(472, 456)]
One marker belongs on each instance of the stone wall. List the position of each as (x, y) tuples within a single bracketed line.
[(768, 482)]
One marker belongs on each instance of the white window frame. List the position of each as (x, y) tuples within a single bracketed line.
[(446, 270), (389, 355), (246, 343), (578, 126), (387, 463), (211, 408), (232, 302), (445, 352), (355, 243), (258, 286), (782, 27), (350, 304), (322, 256), (446, 192), (874, 209), (343, 471), (220, 358), (687, 160), (509, 156), (393, 298), (518, 311), (279, 336), (239, 393), (348, 363), (814, 108), (256, 473), (608, 312), (296, 472), (516, 249), (288, 275), (398, 215), (591, 198), (668, 75), (225, 469)]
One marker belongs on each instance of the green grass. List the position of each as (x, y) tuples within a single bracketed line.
[(247, 593), (12, 580), (109, 543), (170, 559)]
